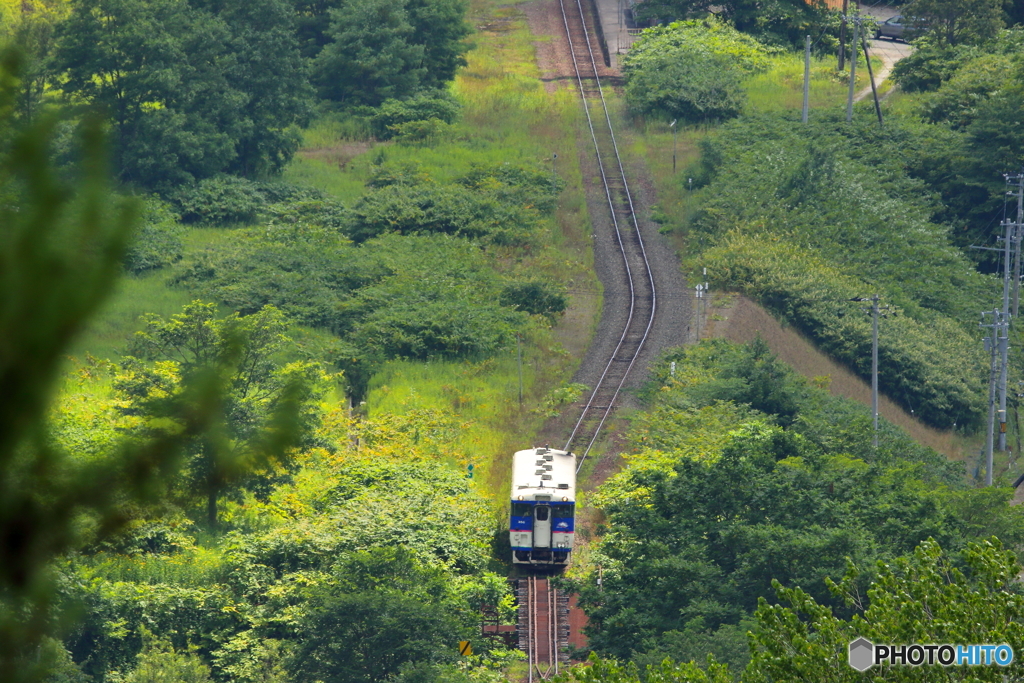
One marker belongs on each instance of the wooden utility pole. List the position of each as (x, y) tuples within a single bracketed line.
[(842, 37)]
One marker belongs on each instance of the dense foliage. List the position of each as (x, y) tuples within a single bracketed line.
[(969, 91), (191, 90), (776, 21), (925, 597), (381, 49), (691, 70), (807, 218), (412, 285), (742, 475), (197, 88)]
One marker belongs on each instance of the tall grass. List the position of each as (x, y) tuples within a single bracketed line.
[(781, 86), (120, 317), (508, 117)]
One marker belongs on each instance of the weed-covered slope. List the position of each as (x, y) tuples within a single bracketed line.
[(806, 218)]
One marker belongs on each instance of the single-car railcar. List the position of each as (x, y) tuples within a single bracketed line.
[(543, 519)]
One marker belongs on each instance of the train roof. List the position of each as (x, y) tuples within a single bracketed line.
[(543, 471)]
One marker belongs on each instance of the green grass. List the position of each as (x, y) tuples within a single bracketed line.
[(121, 316), (781, 86), (508, 116)]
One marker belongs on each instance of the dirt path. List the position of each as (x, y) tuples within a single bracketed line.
[(890, 52)]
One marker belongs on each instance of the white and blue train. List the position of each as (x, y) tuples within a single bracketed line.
[(543, 520)]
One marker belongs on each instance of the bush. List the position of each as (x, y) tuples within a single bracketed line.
[(501, 204), (536, 297), (691, 70), (957, 100), (929, 66), (389, 117), (158, 242), (709, 37), (805, 218), (220, 201), (690, 86)]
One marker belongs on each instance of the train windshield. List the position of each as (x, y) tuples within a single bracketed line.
[(542, 513), (521, 509), (561, 511)]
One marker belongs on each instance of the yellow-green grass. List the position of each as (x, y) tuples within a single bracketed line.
[(507, 117), (108, 333), (781, 86)]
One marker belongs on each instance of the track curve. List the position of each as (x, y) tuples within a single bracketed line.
[(642, 290)]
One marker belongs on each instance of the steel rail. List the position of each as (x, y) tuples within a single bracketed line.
[(531, 602), (618, 234)]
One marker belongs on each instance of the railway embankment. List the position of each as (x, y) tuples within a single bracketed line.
[(738, 319)]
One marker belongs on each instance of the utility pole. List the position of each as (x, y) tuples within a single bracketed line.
[(1017, 239), (871, 76), (674, 132), (703, 294), (853, 71), (874, 363), (807, 77), (700, 298), (519, 363), (1004, 347), (842, 37), (875, 311), (992, 345)]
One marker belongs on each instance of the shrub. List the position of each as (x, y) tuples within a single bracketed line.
[(686, 85), (930, 66), (483, 206), (389, 117), (957, 99), (158, 242), (219, 201), (709, 37), (536, 297)]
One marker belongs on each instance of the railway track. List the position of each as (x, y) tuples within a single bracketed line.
[(543, 613), (543, 626), (638, 276)]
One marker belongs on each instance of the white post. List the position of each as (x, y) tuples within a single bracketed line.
[(807, 76)]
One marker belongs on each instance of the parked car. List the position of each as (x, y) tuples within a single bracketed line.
[(898, 28)]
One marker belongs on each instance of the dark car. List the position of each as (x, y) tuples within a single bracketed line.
[(897, 28)]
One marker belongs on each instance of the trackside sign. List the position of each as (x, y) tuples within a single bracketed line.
[(864, 654)]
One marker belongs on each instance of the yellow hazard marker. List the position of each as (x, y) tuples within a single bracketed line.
[(465, 649)]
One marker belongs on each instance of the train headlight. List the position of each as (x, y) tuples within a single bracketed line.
[(520, 497), (565, 499)]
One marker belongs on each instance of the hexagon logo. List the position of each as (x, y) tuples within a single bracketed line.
[(862, 654)]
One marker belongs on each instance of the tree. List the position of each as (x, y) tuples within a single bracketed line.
[(599, 670), (926, 597), (268, 67), (381, 612), (775, 20), (191, 92), (262, 394), (440, 27), (31, 26), (371, 56), (159, 69), (61, 246), (381, 49), (955, 22)]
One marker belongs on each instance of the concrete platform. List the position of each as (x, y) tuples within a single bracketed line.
[(617, 24)]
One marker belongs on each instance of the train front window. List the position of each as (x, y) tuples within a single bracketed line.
[(542, 513), (521, 509), (561, 511)]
